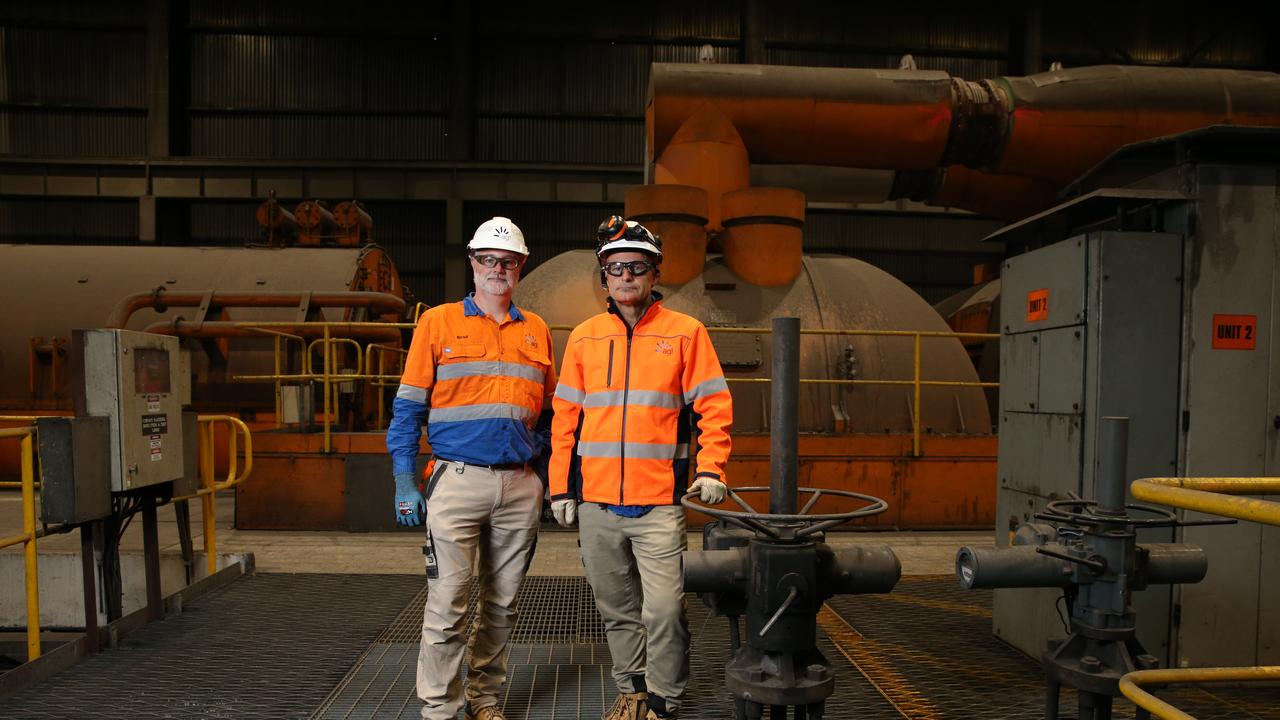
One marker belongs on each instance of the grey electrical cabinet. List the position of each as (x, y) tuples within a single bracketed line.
[(1157, 303), (134, 380)]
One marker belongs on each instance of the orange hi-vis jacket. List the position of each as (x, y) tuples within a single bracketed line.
[(479, 383), (625, 406)]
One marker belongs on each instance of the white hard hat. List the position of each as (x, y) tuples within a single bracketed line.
[(617, 233), (498, 233)]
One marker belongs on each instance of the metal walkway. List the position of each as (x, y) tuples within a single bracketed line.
[(345, 646)]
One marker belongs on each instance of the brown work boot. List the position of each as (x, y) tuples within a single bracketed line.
[(488, 712), (628, 706)]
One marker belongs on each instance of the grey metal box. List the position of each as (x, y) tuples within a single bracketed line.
[(75, 472), (135, 380), (1059, 271)]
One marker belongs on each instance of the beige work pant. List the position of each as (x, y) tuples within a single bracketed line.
[(633, 565), (485, 519)]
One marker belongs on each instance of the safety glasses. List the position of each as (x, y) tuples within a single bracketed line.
[(635, 267), (493, 261)]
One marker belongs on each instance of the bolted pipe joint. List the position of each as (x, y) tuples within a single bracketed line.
[(1014, 567), (859, 570)]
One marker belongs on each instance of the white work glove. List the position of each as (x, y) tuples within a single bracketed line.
[(710, 490), (566, 512)]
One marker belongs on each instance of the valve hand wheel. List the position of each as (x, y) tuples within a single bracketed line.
[(787, 526)]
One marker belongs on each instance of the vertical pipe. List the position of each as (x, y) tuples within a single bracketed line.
[(207, 506), (326, 387), (151, 558), (29, 549), (1113, 450), (279, 424), (90, 584), (915, 402), (784, 463)]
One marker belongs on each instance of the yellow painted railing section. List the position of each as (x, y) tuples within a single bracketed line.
[(1215, 496), (209, 485), (238, 436), (328, 375), (26, 436)]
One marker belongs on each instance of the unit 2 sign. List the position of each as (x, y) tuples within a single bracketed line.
[(1235, 332)]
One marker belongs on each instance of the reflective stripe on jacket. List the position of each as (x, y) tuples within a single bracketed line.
[(625, 406), (481, 385)]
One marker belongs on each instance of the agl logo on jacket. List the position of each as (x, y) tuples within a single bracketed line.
[(663, 347)]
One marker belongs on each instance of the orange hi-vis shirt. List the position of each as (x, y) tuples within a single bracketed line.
[(625, 406), (480, 383)]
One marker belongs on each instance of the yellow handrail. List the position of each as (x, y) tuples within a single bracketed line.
[(275, 356), (209, 487), (28, 537), (1129, 684), (915, 382), (364, 370), (1213, 495)]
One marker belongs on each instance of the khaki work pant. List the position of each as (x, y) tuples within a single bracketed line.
[(633, 565), (486, 519)]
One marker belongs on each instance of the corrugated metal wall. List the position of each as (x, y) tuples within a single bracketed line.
[(275, 80), (73, 91), (69, 222)]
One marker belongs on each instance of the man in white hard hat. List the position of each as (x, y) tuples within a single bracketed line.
[(480, 373)]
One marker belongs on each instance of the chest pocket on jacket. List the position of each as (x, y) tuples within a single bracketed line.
[(458, 352), (539, 363)]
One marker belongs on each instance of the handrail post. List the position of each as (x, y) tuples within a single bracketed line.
[(29, 548), (279, 422), (327, 351), (915, 404), (207, 500)]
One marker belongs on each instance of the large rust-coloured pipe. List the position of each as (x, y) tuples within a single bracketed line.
[(160, 300), (232, 329), (678, 214), (1051, 126)]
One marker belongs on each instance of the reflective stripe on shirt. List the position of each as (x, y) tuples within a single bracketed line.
[(491, 368), (491, 411)]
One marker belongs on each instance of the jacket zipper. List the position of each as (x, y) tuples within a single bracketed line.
[(626, 392), (622, 441)]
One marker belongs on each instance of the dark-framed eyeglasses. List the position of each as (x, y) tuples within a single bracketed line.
[(635, 267), (489, 261)]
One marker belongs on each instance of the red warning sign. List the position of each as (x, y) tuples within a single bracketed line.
[(1235, 332), (1038, 305)]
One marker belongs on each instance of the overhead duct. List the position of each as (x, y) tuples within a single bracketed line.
[(1028, 135)]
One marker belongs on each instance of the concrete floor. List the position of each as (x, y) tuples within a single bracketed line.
[(921, 553)]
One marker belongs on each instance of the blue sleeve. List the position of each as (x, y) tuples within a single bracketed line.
[(403, 433)]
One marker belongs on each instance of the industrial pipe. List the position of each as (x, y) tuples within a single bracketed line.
[(1013, 567), (678, 215), (160, 301), (721, 571), (1211, 495), (863, 569), (231, 329), (784, 435), (1108, 484), (1049, 127), (1174, 563)]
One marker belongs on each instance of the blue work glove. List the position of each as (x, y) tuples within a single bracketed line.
[(410, 506)]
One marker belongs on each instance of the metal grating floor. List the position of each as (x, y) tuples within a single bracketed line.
[(267, 646), (345, 646), (925, 651)]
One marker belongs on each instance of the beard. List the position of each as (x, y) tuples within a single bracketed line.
[(497, 285)]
